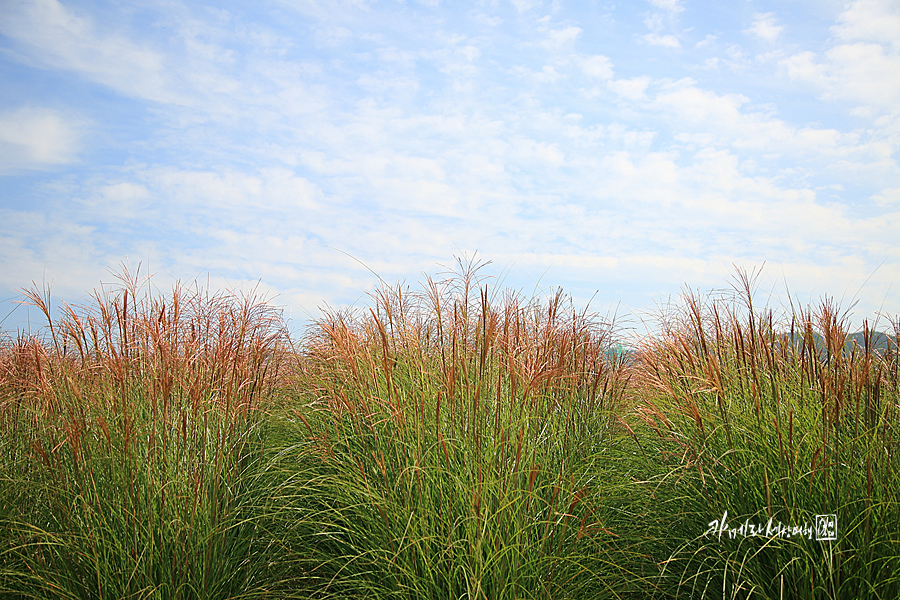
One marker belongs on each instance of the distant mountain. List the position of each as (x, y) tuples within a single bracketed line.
[(880, 342)]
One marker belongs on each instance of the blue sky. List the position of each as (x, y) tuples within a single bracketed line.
[(619, 150)]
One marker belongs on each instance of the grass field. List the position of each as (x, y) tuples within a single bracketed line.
[(452, 441)]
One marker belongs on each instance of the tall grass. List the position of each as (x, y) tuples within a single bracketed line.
[(132, 444), (454, 443), (771, 419)]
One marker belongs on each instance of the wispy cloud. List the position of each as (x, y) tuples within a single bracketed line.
[(597, 66), (633, 88), (250, 146), (668, 5), (871, 21), (864, 67), (50, 35), (668, 41), (765, 27), (34, 138)]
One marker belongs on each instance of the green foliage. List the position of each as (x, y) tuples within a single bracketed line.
[(456, 448), (132, 448), (772, 421), (451, 442)]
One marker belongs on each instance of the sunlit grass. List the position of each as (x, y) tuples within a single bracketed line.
[(452, 441), (774, 421), (133, 438), (456, 445)]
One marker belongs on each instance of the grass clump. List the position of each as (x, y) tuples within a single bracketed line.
[(454, 439), (774, 422), (132, 446)]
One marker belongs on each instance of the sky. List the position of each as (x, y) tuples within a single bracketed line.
[(304, 149)]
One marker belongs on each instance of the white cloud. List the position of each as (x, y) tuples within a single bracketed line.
[(707, 118), (889, 197), (123, 201), (803, 67), (34, 245), (765, 27), (654, 22), (532, 150), (53, 36), (871, 21), (633, 89), (331, 37), (558, 38), (865, 69), (707, 41), (667, 41), (323, 9), (697, 105), (470, 52), (525, 5), (865, 73), (547, 74), (597, 66), (410, 143), (33, 137), (484, 19), (270, 189), (669, 5), (384, 83)]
